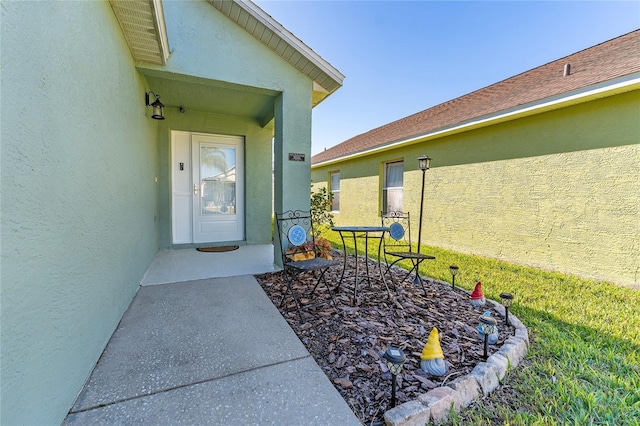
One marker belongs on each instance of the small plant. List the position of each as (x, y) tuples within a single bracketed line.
[(321, 202)]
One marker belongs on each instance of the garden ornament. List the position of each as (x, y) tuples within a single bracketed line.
[(477, 298), (432, 358)]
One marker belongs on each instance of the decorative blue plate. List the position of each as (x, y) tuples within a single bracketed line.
[(297, 235), (396, 231)]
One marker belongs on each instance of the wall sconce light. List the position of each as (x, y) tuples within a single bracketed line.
[(454, 271), (395, 360), (507, 299), (487, 326), (156, 105)]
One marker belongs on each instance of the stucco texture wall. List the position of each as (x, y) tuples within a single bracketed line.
[(208, 48), (206, 44), (79, 158), (560, 190)]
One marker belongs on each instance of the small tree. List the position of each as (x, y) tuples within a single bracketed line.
[(321, 202)]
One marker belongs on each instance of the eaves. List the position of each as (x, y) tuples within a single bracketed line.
[(601, 90)]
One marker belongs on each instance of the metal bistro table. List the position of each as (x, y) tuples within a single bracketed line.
[(357, 232)]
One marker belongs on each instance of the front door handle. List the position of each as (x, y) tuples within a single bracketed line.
[(195, 189)]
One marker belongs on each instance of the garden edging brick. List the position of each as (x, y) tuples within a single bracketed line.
[(435, 405)]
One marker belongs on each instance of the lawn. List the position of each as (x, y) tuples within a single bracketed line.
[(583, 365)]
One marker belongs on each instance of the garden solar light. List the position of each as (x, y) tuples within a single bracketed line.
[(395, 360), (156, 105), (454, 271), (488, 326), (506, 298)]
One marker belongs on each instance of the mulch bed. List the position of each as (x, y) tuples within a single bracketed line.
[(347, 342)]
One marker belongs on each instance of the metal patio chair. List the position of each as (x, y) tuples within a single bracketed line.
[(295, 233), (397, 244)]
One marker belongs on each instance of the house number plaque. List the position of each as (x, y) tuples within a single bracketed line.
[(296, 157)]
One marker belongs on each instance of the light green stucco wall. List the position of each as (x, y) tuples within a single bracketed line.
[(207, 45), (79, 158), (560, 190), (204, 43)]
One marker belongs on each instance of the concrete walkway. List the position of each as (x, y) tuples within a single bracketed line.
[(211, 351)]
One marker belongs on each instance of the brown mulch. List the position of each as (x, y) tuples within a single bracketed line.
[(348, 341)]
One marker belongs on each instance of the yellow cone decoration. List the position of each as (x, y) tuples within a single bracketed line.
[(432, 349)]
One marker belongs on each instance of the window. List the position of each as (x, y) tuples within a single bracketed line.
[(392, 186), (335, 190)]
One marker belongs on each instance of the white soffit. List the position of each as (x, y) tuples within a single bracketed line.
[(269, 32), (142, 23)]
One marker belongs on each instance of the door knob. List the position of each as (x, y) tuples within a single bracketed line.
[(195, 189)]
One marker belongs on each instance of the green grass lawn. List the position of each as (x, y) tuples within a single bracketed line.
[(583, 364)]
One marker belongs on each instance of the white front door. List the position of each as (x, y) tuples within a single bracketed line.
[(207, 182), (218, 188)]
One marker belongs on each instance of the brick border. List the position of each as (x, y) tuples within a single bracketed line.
[(436, 404)]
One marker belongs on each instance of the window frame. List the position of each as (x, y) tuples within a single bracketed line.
[(333, 191), (384, 202)]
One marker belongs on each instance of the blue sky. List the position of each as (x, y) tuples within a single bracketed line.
[(401, 57)]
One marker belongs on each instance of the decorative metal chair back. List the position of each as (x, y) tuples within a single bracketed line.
[(295, 233), (295, 236), (398, 245), (399, 236)]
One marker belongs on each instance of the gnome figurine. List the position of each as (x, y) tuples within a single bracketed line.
[(493, 337), (477, 298), (432, 356)]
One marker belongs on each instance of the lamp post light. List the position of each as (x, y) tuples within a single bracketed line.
[(424, 162), (454, 271), (487, 325), (507, 299), (395, 360)]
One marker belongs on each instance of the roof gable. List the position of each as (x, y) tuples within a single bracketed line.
[(602, 63), (142, 22), (272, 34)]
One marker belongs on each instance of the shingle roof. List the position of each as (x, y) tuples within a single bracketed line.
[(604, 62)]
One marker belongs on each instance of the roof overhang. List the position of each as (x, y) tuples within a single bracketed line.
[(142, 23), (590, 93)]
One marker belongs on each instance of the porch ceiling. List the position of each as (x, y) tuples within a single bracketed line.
[(212, 96)]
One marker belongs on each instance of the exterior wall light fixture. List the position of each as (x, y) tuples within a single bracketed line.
[(156, 105)]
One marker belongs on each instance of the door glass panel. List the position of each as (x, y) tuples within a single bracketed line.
[(217, 180)]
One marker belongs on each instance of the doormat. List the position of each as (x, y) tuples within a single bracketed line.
[(217, 249)]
